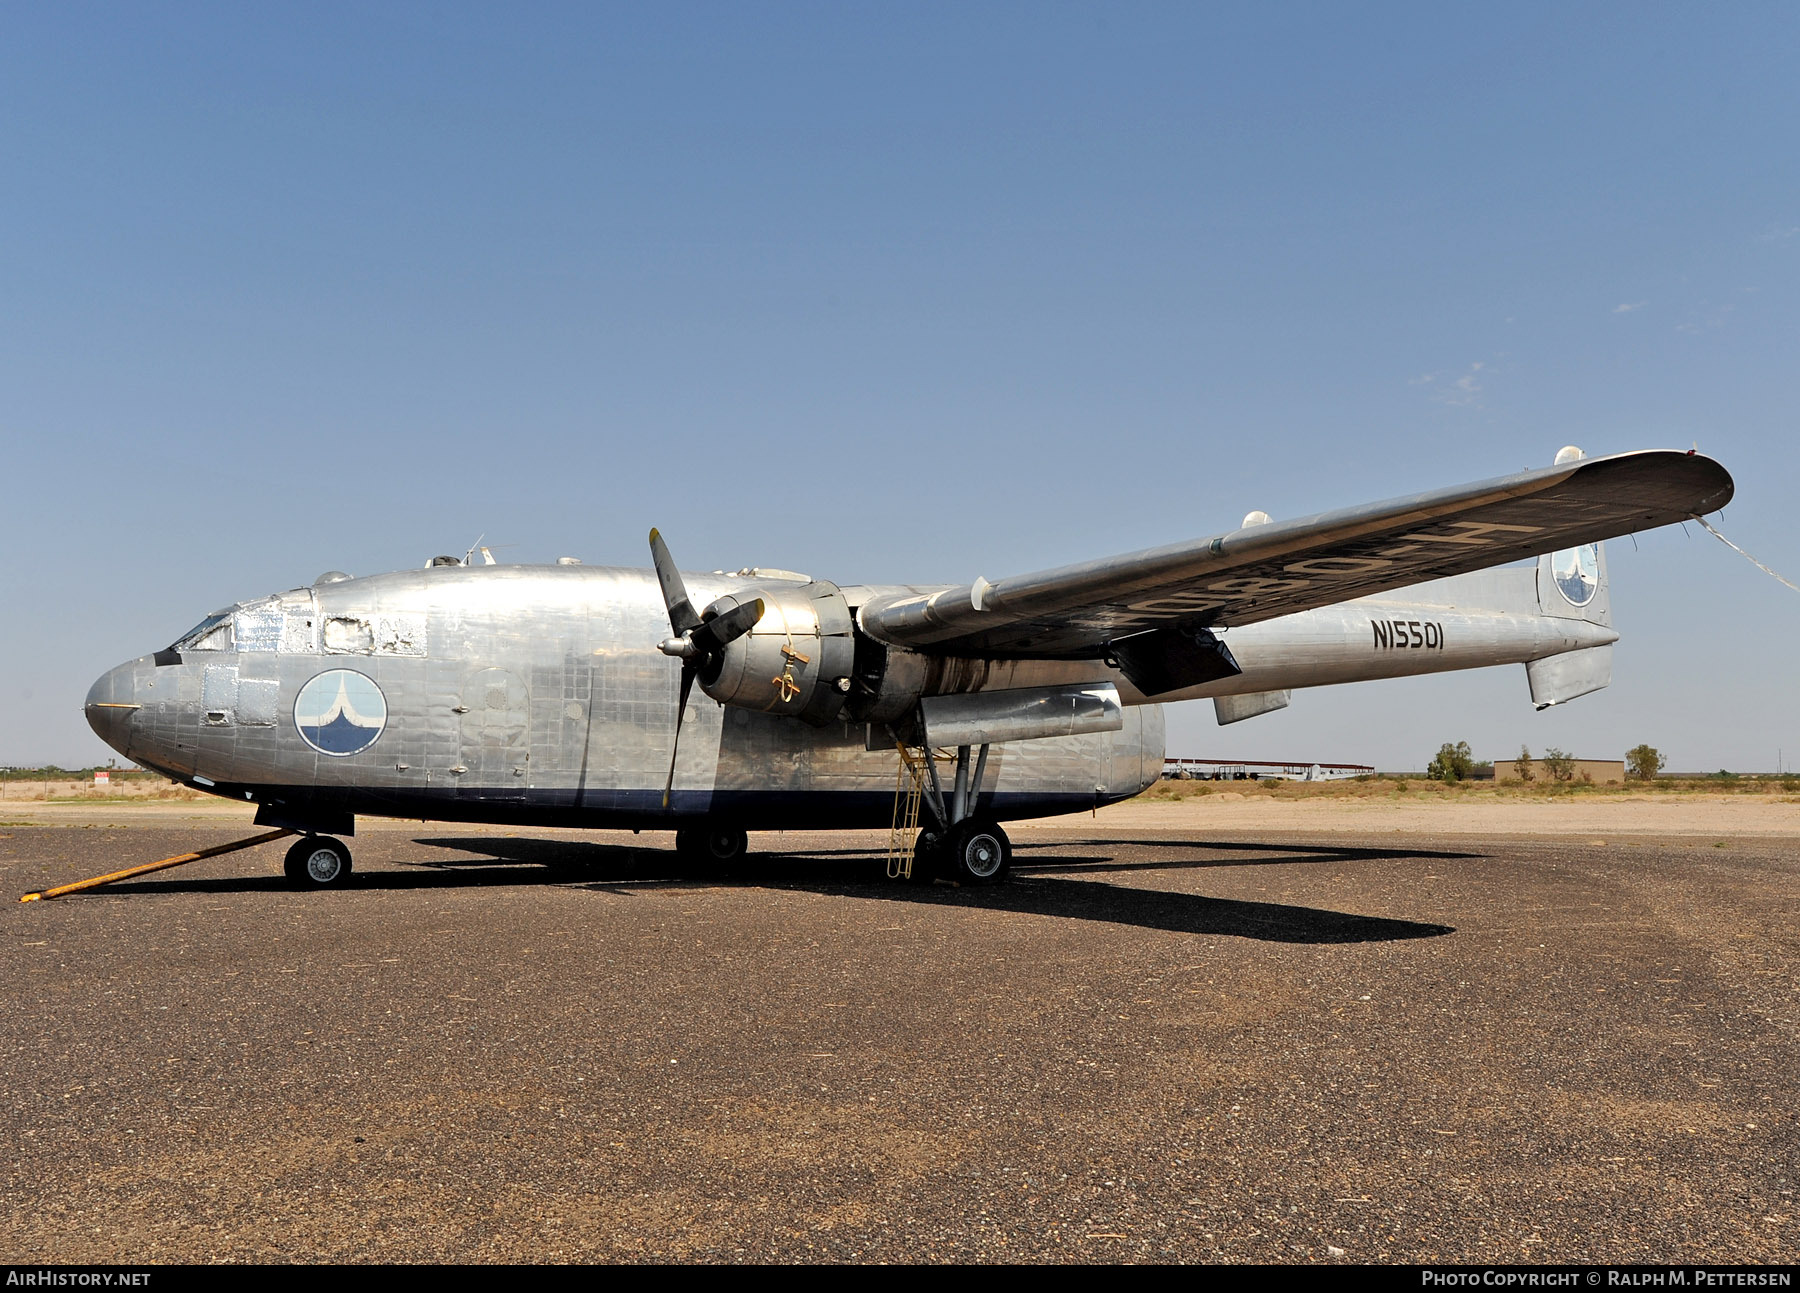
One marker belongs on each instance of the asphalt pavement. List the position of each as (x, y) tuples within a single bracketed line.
[(555, 1046)]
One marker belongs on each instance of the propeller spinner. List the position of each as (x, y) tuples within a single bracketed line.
[(700, 637)]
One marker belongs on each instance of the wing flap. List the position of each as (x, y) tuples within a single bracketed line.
[(1283, 567)]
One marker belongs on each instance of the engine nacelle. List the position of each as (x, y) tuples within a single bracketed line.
[(797, 659)]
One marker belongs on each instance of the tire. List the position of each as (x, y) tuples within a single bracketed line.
[(317, 862), (712, 846), (977, 852)]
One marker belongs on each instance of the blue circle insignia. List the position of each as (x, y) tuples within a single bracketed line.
[(340, 712), (1577, 573)]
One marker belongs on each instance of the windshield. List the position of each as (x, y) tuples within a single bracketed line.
[(211, 634)]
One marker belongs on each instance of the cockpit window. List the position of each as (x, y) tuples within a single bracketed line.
[(284, 622), (211, 634)]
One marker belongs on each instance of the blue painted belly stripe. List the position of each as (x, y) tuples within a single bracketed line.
[(628, 809)]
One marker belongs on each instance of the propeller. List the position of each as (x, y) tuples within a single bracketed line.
[(700, 638)]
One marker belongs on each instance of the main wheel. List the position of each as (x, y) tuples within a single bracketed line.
[(976, 852), (717, 846), (317, 862)]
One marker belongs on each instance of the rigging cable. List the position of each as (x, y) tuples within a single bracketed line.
[(1752, 560)]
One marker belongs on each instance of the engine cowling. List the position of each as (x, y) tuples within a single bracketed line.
[(795, 661)]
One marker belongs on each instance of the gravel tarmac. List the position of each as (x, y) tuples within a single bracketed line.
[(1161, 1045)]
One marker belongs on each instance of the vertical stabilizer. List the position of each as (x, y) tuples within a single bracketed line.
[(1571, 585)]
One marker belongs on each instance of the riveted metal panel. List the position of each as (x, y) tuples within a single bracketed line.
[(256, 700), (300, 630), (259, 627), (219, 691), (398, 634)]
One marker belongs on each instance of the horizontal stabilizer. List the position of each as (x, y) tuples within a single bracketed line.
[(1557, 678), (1235, 709)]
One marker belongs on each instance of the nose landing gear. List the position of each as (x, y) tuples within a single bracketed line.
[(712, 847), (317, 862)]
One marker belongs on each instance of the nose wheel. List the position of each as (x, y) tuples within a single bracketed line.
[(317, 862), (712, 846)]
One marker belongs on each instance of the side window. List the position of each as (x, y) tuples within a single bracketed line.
[(346, 634), (376, 635)]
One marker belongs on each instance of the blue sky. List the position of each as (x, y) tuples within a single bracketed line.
[(892, 293)]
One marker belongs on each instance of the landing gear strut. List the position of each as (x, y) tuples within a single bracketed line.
[(962, 845), (317, 862)]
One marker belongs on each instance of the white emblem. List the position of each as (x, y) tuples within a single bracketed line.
[(340, 712), (1577, 573)]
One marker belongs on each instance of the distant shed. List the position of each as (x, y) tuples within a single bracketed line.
[(1598, 771)]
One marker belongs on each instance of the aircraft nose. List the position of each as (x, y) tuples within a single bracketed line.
[(111, 702)]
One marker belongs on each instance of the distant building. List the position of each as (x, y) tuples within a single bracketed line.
[(1260, 770), (1600, 772)]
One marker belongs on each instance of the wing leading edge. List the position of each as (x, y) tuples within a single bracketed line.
[(1084, 611)]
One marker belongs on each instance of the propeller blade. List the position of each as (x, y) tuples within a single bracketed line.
[(688, 671), (719, 632), (682, 616)]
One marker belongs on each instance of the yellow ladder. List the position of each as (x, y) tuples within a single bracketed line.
[(909, 789)]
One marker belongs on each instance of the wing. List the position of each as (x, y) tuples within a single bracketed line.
[(1083, 611)]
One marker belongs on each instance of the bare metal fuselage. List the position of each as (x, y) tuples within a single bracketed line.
[(537, 695)]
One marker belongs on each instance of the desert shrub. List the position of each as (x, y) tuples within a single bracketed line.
[(1560, 764), (1643, 762), (1452, 762)]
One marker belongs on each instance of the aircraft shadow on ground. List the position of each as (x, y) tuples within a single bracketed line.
[(1025, 860), (1045, 885), (1057, 893)]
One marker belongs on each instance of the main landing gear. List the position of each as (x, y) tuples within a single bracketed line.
[(960, 845), (317, 862), (974, 851)]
